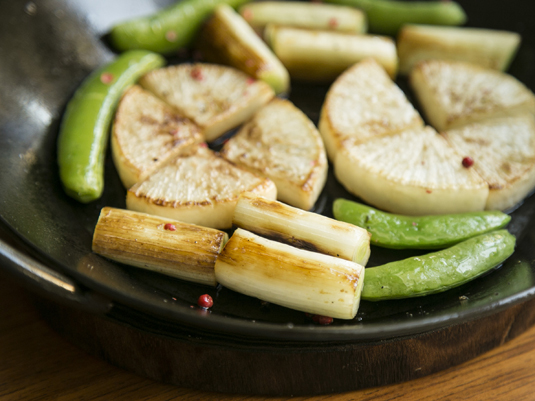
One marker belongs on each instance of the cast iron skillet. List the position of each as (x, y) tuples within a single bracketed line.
[(46, 49)]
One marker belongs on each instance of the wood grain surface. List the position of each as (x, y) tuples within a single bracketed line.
[(38, 364)]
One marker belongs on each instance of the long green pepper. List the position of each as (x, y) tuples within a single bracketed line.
[(439, 271), (84, 129), (420, 232), (388, 16), (167, 30)]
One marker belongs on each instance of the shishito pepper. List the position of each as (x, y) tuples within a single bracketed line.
[(170, 29), (439, 271), (387, 16), (84, 129), (417, 232)]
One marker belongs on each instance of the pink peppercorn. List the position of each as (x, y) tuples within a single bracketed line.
[(323, 320), (196, 74), (106, 78), (333, 23), (247, 14), (205, 301), (170, 227), (468, 162)]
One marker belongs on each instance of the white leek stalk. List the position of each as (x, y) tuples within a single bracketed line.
[(302, 229), (321, 56), (291, 277), (181, 250), (488, 48), (304, 15)]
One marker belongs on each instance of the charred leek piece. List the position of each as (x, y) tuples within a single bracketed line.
[(305, 15), (320, 56), (305, 230), (154, 243), (227, 39), (291, 277)]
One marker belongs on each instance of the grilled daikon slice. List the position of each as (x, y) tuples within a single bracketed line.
[(305, 230), (361, 104), (304, 15), (281, 143), (454, 93), (321, 56), (226, 38), (199, 188), (291, 277), (215, 97), (146, 133), (503, 154), (488, 48), (414, 172), (162, 245)]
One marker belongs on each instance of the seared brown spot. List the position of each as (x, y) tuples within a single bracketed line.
[(253, 132), (173, 118), (478, 141), (288, 239), (170, 125), (259, 202), (172, 203), (506, 167), (147, 120)]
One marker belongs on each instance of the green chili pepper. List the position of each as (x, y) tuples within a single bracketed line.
[(84, 129), (423, 232), (169, 29), (387, 16), (438, 271)]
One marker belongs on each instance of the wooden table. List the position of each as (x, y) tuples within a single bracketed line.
[(37, 364)]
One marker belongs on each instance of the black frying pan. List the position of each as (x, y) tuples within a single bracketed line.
[(46, 49)]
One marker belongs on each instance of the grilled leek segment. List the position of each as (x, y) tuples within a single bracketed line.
[(226, 38), (215, 97), (361, 104), (147, 133), (281, 143), (454, 93), (199, 187), (291, 277), (162, 245), (503, 154), (321, 56), (488, 48), (305, 230), (304, 15), (415, 172)]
